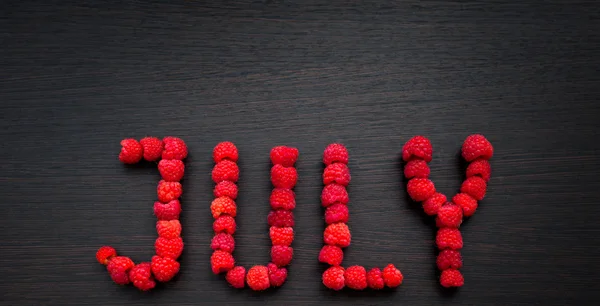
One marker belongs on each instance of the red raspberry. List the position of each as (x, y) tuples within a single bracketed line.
[(164, 268), (432, 205), (282, 198), (281, 255), (375, 279), (168, 229), (449, 238), (153, 148), (281, 235), (356, 277), (281, 218), (141, 276), (334, 193), (416, 168), (480, 167), (336, 213), (104, 254), (169, 211), (277, 276), (221, 261), (225, 150), (225, 170), (392, 276), (284, 177), (336, 173), (417, 147), (333, 278), (226, 189), (475, 187), (285, 156), (168, 191), (331, 255), (258, 278), (174, 148), (451, 278), (337, 234), (170, 248), (118, 268), (449, 215), (466, 202), (236, 277), (223, 242), (476, 146), (335, 153), (171, 170), (449, 259), (131, 151), (420, 189), (223, 205), (224, 224)]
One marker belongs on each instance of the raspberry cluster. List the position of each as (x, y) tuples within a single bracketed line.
[(417, 152), (334, 198), (169, 245), (281, 218)]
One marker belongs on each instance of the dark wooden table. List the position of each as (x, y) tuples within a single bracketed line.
[(78, 76)]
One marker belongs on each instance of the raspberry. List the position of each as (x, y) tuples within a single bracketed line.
[(333, 278), (224, 224), (356, 277), (417, 147), (223, 205), (282, 198), (336, 173), (480, 167), (475, 187), (118, 268), (168, 191), (420, 189), (169, 211), (226, 189), (476, 146), (131, 151), (236, 277), (277, 276), (336, 213), (451, 278), (153, 148), (164, 268), (258, 278), (334, 193), (225, 170), (281, 255), (174, 148), (335, 153), (141, 276), (281, 235), (104, 254), (449, 215), (416, 168), (375, 279), (170, 248), (392, 276), (171, 170), (449, 238), (449, 259), (337, 234), (223, 242), (284, 177), (225, 150), (281, 218), (466, 202), (331, 255), (432, 205), (285, 156), (168, 229), (221, 261)]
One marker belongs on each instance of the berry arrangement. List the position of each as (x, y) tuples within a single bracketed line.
[(169, 245), (417, 152), (334, 198), (225, 175)]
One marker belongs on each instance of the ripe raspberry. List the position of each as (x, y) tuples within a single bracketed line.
[(336, 173), (284, 177), (475, 187), (174, 148), (334, 193), (375, 279), (153, 148), (417, 147), (171, 170), (449, 215), (420, 189), (224, 224), (285, 156), (169, 211), (480, 167), (356, 277), (333, 278), (225, 150), (168, 191), (118, 268), (476, 146), (170, 248), (336, 213), (337, 234), (223, 205), (223, 242), (416, 168), (449, 259), (236, 277), (432, 205), (392, 276), (281, 218), (451, 278), (282, 198), (131, 151), (281, 255), (277, 276), (258, 278), (331, 255), (221, 261), (449, 238), (104, 254), (168, 229), (164, 268), (226, 189), (141, 276), (466, 202), (225, 170), (335, 153), (281, 235)]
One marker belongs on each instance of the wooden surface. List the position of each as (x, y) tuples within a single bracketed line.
[(78, 76)]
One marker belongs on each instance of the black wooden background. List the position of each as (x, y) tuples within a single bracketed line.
[(78, 76)]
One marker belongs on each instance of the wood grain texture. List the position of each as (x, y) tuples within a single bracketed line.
[(78, 76)]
